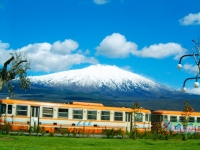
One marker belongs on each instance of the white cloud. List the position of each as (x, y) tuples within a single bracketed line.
[(161, 51), (4, 45), (100, 2), (116, 46), (191, 19), (190, 68), (193, 91), (50, 57), (65, 47), (4, 53)]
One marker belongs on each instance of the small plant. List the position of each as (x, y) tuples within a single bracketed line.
[(21, 130), (30, 130), (63, 131), (74, 132), (133, 134), (42, 131), (119, 133), (51, 134), (109, 133), (161, 133), (82, 133), (37, 130), (196, 135), (146, 135), (6, 128)]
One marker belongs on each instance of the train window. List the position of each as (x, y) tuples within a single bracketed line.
[(62, 113), (165, 117), (198, 119), (105, 115), (149, 117), (3, 108), (47, 112), (78, 114), (157, 118), (153, 118), (181, 118), (138, 117), (22, 110), (146, 117), (191, 119), (118, 116), (92, 114), (9, 109), (173, 118)]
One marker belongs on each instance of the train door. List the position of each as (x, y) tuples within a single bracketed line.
[(127, 121), (34, 117)]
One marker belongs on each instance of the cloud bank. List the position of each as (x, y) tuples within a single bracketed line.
[(48, 57), (191, 19), (116, 46)]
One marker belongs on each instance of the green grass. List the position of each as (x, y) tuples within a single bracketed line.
[(62, 143)]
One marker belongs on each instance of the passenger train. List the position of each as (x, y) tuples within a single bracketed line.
[(89, 117), (80, 115)]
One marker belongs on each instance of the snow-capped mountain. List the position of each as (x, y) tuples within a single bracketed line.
[(104, 84), (102, 79)]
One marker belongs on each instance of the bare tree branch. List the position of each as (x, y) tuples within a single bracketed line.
[(8, 62), (17, 71)]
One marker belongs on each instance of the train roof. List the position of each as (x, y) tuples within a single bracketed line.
[(97, 106), (168, 112)]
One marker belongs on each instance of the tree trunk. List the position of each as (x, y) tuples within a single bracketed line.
[(185, 132), (134, 127), (1, 84), (131, 122)]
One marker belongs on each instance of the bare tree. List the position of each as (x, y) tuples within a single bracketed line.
[(15, 68), (196, 56)]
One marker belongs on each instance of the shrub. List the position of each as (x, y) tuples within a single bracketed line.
[(6, 128), (64, 131)]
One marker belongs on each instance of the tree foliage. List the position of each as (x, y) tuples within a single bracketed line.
[(187, 110), (15, 68)]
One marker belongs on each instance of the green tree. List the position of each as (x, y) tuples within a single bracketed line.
[(136, 112), (187, 110), (15, 68)]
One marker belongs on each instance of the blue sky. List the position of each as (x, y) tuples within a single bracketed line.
[(146, 37)]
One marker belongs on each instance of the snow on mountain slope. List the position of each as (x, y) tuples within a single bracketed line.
[(96, 78)]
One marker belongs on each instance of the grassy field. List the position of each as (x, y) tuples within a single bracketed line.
[(62, 143)]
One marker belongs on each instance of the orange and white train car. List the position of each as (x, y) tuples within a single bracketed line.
[(172, 120), (83, 115)]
